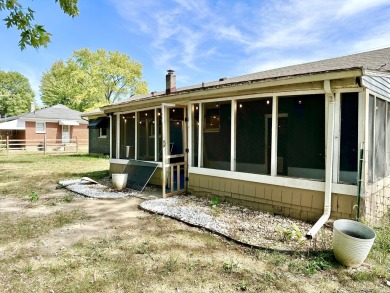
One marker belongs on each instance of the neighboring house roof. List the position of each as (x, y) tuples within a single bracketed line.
[(377, 60), (58, 112)]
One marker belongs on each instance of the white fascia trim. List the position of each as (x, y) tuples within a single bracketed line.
[(265, 179), (275, 180)]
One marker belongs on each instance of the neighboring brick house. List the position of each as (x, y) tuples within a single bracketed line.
[(57, 124)]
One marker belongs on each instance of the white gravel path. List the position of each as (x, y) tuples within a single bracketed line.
[(254, 228), (191, 215), (95, 190)]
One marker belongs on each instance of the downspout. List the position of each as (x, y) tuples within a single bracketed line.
[(328, 164)]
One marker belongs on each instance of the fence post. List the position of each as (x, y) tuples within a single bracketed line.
[(44, 144), (7, 144), (77, 146)]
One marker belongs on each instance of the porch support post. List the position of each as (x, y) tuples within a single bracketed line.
[(363, 133), (337, 133), (190, 117), (118, 133), (136, 136), (155, 135), (165, 147), (274, 136), (185, 147), (233, 136), (200, 138), (111, 142)]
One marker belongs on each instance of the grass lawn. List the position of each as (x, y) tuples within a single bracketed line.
[(51, 241)]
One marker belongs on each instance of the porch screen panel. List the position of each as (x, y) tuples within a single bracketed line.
[(370, 149), (146, 135), (217, 135), (301, 137), (195, 135), (380, 140), (113, 138), (253, 145), (349, 138), (127, 138)]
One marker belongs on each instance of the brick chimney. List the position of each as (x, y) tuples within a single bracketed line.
[(170, 82)]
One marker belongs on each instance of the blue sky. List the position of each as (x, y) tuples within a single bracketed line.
[(202, 40)]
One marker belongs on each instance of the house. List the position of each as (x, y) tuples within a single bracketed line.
[(57, 124), (98, 132), (285, 140)]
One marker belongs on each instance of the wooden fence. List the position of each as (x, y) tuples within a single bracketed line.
[(44, 145)]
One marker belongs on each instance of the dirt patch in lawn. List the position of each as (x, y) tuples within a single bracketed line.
[(99, 218)]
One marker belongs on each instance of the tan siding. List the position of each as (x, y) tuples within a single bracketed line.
[(297, 203)]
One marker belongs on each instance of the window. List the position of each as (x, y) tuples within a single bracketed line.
[(40, 127), (102, 132)]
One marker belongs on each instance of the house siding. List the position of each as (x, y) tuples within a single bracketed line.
[(54, 131), (99, 145), (301, 204)]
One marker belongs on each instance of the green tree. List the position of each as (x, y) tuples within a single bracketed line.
[(16, 94), (92, 79), (22, 18)]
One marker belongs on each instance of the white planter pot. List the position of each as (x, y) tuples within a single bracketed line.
[(352, 241), (119, 181)]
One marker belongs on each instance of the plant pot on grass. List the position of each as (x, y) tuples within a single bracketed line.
[(119, 180), (352, 241)]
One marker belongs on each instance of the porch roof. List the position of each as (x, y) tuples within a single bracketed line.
[(377, 60), (13, 125)]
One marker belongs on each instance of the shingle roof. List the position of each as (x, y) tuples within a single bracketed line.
[(57, 112), (377, 60)]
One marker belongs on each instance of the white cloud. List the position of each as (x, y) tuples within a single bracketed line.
[(353, 7), (192, 35)]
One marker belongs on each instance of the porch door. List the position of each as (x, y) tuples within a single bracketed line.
[(174, 146), (65, 134)]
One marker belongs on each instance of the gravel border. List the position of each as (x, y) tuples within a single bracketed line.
[(245, 226), (89, 189), (242, 225)]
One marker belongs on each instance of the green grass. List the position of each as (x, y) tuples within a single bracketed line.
[(155, 254), (41, 172)]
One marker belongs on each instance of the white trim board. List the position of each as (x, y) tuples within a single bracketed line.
[(276, 180), (265, 179)]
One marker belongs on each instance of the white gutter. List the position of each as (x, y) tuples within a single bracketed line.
[(329, 162)]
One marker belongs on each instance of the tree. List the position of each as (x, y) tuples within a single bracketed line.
[(92, 79), (16, 94), (22, 18)]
